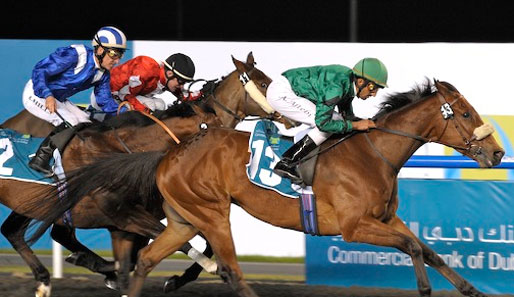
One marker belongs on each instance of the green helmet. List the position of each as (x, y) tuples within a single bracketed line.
[(372, 69)]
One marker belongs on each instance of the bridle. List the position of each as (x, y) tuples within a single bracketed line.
[(448, 115), (211, 96)]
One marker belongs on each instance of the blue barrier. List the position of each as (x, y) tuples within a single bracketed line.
[(453, 162)]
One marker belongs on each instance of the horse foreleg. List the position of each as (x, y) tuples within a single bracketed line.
[(191, 274), (169, 241), (435, 261), (372, 231), (14, 229)]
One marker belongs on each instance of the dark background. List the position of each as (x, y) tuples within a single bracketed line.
[(278, 20)]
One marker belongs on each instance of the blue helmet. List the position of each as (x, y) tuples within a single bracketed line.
[(110, 37)]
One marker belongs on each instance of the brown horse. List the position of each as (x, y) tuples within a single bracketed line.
[(26, 123), (228, 94), (355, 184)]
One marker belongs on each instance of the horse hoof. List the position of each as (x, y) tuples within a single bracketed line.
[(111, 284), (72, 258), (171, 284), (43, 290)]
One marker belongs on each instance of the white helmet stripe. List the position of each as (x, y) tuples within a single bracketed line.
[(111, 37), (172, 68)]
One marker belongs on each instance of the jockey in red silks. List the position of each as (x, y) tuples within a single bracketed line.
[(138, 80)]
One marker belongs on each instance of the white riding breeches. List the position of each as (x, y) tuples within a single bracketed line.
[(36, 106), (152, 103), (283, 99)]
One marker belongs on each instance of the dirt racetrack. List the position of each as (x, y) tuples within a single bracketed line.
[(92, 286)]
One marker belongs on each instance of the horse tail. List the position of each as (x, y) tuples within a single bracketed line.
[(117, 179)]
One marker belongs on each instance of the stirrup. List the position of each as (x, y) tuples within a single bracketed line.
[(47, 172), (285, 171)]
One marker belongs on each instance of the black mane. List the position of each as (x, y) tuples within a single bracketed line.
[(136, 119), (397, 100)]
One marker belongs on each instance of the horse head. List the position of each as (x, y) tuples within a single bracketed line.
[(463, 128), (259, 82), (248, 72)]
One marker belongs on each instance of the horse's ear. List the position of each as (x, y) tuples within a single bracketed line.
[(240, 66), (250, 60), (442, 88)]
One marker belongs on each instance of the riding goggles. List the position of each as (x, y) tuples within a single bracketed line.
[(114, 53)]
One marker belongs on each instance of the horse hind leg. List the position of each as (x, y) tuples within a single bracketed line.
[(191, 274), (14, 229), (169, 241), (434, 260), (123, 246)]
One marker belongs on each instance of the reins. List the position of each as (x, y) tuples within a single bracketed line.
[(160, 123), (447, 114), (152, 117)]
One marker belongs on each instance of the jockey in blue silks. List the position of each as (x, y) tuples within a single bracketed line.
[(64, 73)]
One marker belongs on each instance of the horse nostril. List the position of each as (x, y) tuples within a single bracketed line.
[(499, 154)]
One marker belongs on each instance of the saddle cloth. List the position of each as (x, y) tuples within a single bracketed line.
[(15, 152), (266, 146)]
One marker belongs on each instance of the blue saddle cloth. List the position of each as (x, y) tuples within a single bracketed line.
[(267, 146), (15, 152)]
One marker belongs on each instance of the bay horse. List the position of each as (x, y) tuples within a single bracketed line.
[(355, 184), (228, 94)]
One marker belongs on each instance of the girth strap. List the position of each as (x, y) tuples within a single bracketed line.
[(308, 214)]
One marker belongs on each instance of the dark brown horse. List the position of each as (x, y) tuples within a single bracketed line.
[(132, 130), (227, 95), (27, 123), (355, 184)]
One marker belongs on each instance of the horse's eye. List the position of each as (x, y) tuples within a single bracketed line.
[(466, 115), (264, 85)]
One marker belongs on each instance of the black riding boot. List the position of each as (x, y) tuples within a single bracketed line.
[(40, 162), (58, 138), (287, 167)]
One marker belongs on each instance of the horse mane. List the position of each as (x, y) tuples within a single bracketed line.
[(398, 100), (136, 119)]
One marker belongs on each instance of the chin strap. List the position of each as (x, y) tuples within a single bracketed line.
[(359, 88)]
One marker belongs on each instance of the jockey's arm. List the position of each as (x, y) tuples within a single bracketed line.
[(325, 121), (136, 104)]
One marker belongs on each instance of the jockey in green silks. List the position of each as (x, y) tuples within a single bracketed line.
[(310, 95)]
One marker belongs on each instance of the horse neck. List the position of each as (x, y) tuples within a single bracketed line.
[(419, 119), (231, 94)]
